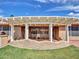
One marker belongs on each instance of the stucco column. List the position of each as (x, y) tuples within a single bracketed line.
[(67, 33), (26, 31), (50, 32), (12, 32)]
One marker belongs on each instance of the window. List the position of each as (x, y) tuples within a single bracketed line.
[(74, 28), (6, 28), (74, 31), (0, 28)]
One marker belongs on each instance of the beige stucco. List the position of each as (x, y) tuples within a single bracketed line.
[(17, 32), (4, 40), (62, 33)]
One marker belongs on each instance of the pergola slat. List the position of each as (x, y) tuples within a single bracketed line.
[(54, 20)]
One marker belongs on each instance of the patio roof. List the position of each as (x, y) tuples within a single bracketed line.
[(36, 19)]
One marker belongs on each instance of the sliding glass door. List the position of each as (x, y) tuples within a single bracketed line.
[(39, 33)]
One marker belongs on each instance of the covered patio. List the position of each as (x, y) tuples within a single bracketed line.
[(42, 32), (53, 29)]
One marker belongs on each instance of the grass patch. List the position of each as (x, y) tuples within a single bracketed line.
[(10, 52)]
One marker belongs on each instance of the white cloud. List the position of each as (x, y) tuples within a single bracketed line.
[(1, 15), (73, 14), (62, 8), (76, 10), (44, 1), (57, 1)]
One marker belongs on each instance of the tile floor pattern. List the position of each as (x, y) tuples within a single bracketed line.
[(42, 45)]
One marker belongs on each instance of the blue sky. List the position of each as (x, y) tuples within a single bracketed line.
[(39, 8)]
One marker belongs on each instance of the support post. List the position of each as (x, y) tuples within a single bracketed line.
[(12, 33), (67, 33), (50, 32), (26, 31)]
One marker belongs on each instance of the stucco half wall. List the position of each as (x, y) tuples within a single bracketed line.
[(74, 37)]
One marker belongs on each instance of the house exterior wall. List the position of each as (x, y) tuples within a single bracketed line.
[(17, 32), (74, 35), (62, 32), (74, 32), (5, 28), (39, 21), (4, 40)]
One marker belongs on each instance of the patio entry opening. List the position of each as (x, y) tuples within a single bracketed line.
[(38, 32)]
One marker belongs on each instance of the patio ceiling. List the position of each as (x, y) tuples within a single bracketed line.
[(53, 20)]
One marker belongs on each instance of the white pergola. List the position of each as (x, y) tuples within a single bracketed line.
[(51, 21)]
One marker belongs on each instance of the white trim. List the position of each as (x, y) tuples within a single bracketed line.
[(0, 42), (45, 23), (12, 33), (67, 33), (50, 32), (38, 22)]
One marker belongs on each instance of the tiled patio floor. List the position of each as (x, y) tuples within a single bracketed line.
[(39, 45)]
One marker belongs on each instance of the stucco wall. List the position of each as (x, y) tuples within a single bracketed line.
[(18, 33), (3, 40), (62, 33)]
